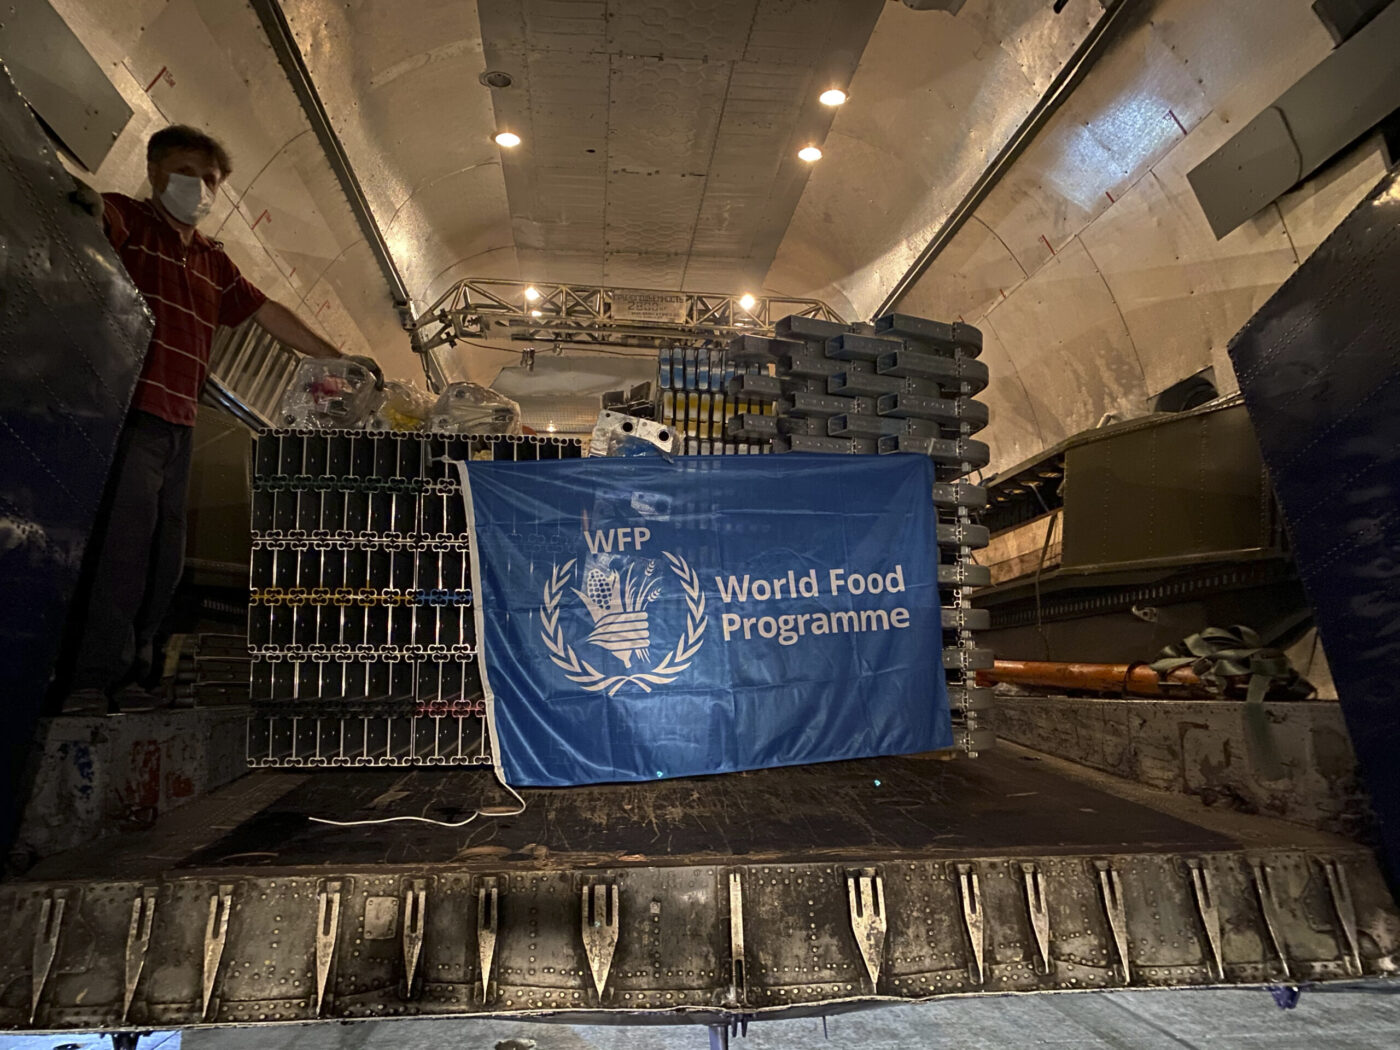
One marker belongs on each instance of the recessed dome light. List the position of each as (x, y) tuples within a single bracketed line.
[(810, 153), (508, 139), (832, 97)]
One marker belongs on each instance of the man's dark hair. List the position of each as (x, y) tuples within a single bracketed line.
[(182, 136)]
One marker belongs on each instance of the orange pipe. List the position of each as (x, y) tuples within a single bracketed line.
[(1129, 679)]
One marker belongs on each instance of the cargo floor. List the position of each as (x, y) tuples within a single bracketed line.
[(1006, 802)]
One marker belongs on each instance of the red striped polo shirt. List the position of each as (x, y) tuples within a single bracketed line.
[(190, 290)]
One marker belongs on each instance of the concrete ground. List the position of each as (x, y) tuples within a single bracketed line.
[(1181, 1020)]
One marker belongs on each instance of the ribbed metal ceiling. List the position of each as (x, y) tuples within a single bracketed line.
[(660, 139), (1088, 266)]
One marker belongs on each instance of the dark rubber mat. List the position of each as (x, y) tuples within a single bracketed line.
[(996, 804)]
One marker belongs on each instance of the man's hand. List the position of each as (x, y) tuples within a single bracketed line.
[(370, 365)]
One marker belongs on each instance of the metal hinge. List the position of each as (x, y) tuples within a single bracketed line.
[(1040, 915), (600, 930), (1346, 910), (1111, 885), (970, 890), (45, 946), (415, 903), (737, 976), (488, 918), (865, 891), (327, 933), (215, 936), (1203, 884), (138, 942), (1268, 904)]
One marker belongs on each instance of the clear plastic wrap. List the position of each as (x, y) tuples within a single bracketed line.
[(468, 408), (616, 434), (329, 394), (404, 407)]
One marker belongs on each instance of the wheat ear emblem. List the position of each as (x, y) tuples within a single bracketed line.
[(617, 604)]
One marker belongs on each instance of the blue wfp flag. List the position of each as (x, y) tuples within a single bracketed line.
[(639, 618)]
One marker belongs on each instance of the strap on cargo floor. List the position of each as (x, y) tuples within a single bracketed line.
[(1219, 654)]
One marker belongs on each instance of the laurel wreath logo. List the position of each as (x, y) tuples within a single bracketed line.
[(582, 672)]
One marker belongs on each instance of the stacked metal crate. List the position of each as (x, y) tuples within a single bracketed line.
[(702, 392), (360, 623), (902, 384)]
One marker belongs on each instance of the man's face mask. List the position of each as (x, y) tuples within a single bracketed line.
[(187, 198)]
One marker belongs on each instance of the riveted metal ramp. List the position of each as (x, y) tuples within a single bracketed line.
[(705, 900)]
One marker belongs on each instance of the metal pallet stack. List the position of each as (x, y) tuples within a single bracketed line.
[(360, 619), (703, 392), (902, 384), (922, 375)]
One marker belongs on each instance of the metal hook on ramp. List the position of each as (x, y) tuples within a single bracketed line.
[(865, 891), (600, 930)]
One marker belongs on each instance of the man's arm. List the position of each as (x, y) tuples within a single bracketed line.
[(287, 327)]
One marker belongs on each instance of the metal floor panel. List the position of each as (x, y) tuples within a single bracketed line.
[(865, 809)]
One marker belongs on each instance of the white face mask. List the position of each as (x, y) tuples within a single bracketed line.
[(187, 198)]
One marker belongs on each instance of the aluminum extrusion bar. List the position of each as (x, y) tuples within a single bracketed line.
[(932, 336), (837, 446), (805, 404), (854, 346), (965, 454), (852, 425), (853, 383), (360, 632), (964, 374), (970, 416)]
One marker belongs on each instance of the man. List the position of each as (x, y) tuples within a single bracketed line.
[(191, 287)]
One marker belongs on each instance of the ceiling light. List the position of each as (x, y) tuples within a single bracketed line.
[(508, 139), (810, 153), (536, 313), (747, 301), (832, 97), (551, 428), (532, 293)]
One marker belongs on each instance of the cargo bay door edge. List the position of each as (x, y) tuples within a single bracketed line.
[(73, 336)]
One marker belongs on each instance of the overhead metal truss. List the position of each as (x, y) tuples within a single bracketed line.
[(563, 314)]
